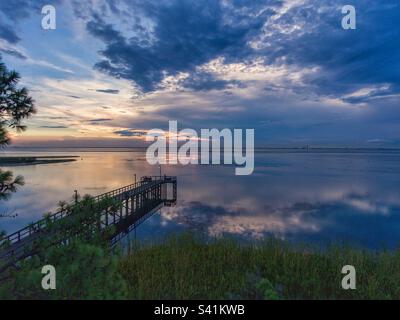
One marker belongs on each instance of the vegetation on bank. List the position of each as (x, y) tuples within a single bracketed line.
[(187, 267), (77, 246), (23, 161), (190, 267)]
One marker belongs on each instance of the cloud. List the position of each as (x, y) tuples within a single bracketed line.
[(203, 81), (110, 91), (174, 37), (7, 33), (186, 34), (54, 127), (370, 93), (21, 53), (285, 68), (310, 35), (130, 133), (14, 53), (46, 64), (57, 118), (148, 42), (100, 120), (377, 141)]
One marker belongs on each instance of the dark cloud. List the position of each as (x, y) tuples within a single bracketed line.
[(110, 91), (203, 81), (172, 36), (57, 117), (7, 33), (75, 97), (186, 34), (348, 60), (100, 120), (54, 127), (13, 53), (130, 133)]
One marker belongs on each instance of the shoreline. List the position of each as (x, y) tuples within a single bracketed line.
[(15, 161)]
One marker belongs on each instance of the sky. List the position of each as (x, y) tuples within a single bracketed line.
[(112, 70)]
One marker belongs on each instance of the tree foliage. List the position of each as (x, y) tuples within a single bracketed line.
[(79, 251), (15, 103), (84, 270), (9, 184), (15, 106)]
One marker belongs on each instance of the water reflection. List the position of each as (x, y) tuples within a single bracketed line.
[(314, 197)]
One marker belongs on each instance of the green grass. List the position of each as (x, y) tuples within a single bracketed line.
[(190, 268)]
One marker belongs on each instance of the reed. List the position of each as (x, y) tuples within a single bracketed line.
[(190, 267)]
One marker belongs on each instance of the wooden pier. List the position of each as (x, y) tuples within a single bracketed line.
[(135, 203)]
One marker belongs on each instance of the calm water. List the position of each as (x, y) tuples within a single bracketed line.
[(313, 197)]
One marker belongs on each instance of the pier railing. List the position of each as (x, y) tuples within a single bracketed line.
[(138, 199)]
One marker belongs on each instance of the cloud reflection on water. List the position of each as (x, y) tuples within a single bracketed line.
[(300, 197)]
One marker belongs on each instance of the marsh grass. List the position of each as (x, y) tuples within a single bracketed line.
[(190, 267), (194, 267)]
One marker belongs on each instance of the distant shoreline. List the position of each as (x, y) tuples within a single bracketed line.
[(25, 161), (303, 149), (263, 147)]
